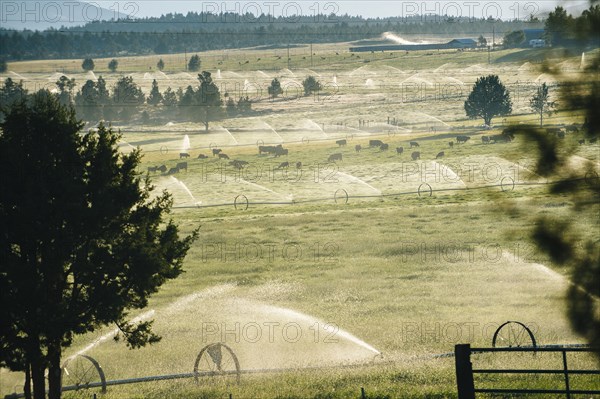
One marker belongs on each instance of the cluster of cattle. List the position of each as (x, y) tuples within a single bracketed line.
[(169, 171), (276, 150)]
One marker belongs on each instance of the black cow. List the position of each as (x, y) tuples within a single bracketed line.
[(572, 129), (485, 139), (172, 171), (451, 144), (375, 143), (500, 137), (415, 155), (181, 166), (279, 151), (341, 142), (358, 147), (202, 156), (237, 164), (216, 151), (414, 144), (440, 155), (462, 139), (399, 150), (384, 147), (283, 165), (184, 155), (298, 165), (162, 169), (335, 157), (581, 141), (223, 156), (152, 169)]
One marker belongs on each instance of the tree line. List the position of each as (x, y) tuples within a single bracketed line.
[(176, 33), (126, 101), (562, 29)]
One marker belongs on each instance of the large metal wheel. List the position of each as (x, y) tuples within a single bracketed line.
[(82, 370), (513, 334), (217, 360)]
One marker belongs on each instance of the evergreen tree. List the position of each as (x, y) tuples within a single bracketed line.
[(275, 88), (155, 97), (489, 98), (87, 64), (113, 64), (81, 243), (540, 103), (194, 63), (311, 85)]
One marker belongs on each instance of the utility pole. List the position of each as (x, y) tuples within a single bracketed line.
[(185, 57), (288, 56), (311, 58), (493, 35), (489, 54)]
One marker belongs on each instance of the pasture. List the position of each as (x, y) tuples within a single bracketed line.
[(306, 278)]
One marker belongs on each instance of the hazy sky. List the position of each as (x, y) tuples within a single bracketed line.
[(505, 9)]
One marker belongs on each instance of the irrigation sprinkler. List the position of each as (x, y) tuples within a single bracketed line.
[(343, 195), (80, 371), (217, 360), (426, 188), (510, 185), (513, 334), (243, 202)]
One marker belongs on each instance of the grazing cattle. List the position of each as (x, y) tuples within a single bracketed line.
[(341, 142), (279, 151), (462, 139), (152, 169), (440, 155), (384, 147), (237, 164), (223, 156), (181, 166), (266, 148), (581, 142), (283, 165), (298, 165), (358, 147), (202, 156), (335, 157), (414, 144), (451, 144), (572, 129), (500, 137), (216, 151), (375, 143), (184, 155), (553, 130), (593, 141), (162, 169), (415, 155), (172, 171), (399, 150), (485, 139)]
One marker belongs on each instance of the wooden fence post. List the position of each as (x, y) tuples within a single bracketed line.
[(464, 371)]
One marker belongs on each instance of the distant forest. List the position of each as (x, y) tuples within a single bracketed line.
[(194, 32)]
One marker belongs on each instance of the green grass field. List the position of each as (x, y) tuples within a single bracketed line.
[(321, 287)]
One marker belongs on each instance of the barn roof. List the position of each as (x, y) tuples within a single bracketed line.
[(463, 41)]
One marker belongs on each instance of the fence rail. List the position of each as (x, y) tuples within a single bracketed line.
[(465, 371)]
